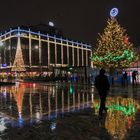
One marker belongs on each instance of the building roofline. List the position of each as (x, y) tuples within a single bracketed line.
[(20, 29)]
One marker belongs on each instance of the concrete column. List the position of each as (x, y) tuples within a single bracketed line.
[(86, 58), (77, 55), (55, 53), (40, 49), (10, 55), (5, 49), (72, 54), (30, 51), (48, 51), (82, 57), (68, 54), (62, 57)]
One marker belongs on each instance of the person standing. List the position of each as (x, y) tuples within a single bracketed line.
[(102, 85), (125, 80), (134, 73)]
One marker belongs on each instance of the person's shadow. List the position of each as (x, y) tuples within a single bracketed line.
[(102, 119), (99, 121)]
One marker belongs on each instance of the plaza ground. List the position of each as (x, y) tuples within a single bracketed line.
[(122, 121)]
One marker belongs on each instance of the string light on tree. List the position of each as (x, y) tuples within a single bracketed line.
[(126, 40), (113, 49)]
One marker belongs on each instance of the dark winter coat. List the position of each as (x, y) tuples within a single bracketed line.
[(102, 83)]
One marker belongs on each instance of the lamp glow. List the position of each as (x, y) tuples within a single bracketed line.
[(51, 24)]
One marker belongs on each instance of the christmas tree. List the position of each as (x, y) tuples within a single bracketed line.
[(18, 64), (113, 50)]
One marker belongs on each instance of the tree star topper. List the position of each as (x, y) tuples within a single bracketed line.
[(114, 12)]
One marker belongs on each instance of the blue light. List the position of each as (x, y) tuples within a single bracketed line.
[(53, 126), (4, 94), (18, 34), (114, 12), (20, 120), (4, 65)]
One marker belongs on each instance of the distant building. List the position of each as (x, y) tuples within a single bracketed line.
[(40, 47)]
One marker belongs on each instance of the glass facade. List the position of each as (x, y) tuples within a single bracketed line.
[(75, 56), (58, 54), (80, 57), (44, 53), (52, 53), (65, 55), (70, 56), (25, 50), (41, 50), (35, 52), (85, 57), (13, 48)]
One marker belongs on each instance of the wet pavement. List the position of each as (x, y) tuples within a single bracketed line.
[(75, 117)]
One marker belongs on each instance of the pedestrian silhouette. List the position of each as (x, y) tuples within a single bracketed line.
[(102, 85), (125, 82), (134, 73)]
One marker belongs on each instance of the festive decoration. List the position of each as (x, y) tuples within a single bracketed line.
[(114, 12), (113, 49), (125, 110), (18, 64), (126, 40)]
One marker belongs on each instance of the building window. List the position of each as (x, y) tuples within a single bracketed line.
[(80, 57), (58, 54), (65, 61), (25, 50), (84, 57), (13, 48), (89, 58), (44, 53), (70, 56), (52, 53), (75, 56), (35, 52)]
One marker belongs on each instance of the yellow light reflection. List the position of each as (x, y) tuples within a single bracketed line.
[(118, 122)]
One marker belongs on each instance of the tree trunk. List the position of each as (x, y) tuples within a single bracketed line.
[(112, 76)]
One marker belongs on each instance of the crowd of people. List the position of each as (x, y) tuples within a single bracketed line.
[(134, 76)]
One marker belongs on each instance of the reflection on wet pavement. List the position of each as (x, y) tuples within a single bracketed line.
[(39, 111), (122, 107), (120, 115), (28, 103)]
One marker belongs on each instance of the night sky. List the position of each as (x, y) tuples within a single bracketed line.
[(79, 20)]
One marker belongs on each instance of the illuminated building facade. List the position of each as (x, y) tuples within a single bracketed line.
[(29, 50)]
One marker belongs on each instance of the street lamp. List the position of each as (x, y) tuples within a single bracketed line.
[(51, 24)]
